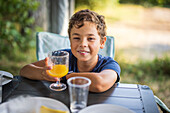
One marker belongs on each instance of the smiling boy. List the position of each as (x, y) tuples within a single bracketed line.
[(87, 34)]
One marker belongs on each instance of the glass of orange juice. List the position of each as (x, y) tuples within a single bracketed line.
[(59, 60)]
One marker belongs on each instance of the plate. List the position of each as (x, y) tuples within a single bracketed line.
[(7, 79), (31, 105), (105, 108)]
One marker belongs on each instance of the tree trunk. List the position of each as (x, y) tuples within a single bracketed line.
[(53, 15)]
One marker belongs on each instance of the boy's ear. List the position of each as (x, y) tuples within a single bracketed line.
[(103, 42)]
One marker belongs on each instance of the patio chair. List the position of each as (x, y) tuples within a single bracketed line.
[(46, 42), (162, 106)]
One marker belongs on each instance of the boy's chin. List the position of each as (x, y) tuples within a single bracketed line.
[(82, 60)]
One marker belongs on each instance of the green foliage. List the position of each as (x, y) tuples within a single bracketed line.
[(94, 4), (157, 68), (14, 64), (16, 25), (148, 3), (101, 4)]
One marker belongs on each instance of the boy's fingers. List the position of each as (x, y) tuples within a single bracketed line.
[(48, 67), (47, 77), (46, 61)]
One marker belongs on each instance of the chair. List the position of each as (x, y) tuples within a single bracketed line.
[(46, 42), (163, 107)]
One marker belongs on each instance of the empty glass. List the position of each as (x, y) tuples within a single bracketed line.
[(78, 90)]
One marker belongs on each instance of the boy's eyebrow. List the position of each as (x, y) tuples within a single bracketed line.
[(79, 34), (76, 34), (90, 34)]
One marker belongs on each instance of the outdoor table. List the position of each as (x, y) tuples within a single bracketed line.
[(138, 98)]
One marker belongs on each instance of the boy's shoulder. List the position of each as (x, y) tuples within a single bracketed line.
[(105, 58), (106, 62), (71, 56), (68, 50)]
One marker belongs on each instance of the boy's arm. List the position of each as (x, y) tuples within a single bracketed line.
[(100, 81), (36, 71)]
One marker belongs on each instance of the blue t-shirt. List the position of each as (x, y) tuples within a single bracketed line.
[(102, 64)]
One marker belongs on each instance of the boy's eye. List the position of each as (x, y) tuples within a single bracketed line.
[(91, 39), (76, 38)]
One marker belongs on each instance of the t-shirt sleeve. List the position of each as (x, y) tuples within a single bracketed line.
[(112, 64)]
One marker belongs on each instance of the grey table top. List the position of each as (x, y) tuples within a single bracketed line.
[(138, 98)]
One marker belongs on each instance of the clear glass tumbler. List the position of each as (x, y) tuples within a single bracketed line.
[(78, 90)]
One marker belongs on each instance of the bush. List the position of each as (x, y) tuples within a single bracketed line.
[(95, 4), (163, 3), (16, 23), (157, 68)]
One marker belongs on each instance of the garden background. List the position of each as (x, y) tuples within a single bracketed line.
[(141, 29)]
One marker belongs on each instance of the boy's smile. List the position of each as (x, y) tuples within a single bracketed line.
[(83, 52), (85, 42)]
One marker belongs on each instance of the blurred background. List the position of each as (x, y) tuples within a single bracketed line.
[(141, 29)]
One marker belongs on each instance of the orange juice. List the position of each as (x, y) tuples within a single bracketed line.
[(58, 71)]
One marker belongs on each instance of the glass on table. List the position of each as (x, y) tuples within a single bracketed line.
[(78, 90), (59, 60)]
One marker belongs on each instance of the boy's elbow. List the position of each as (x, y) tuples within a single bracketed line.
[(98, 88), (23, 71), (101, 86)]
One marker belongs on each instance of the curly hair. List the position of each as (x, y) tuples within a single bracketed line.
[(78, 19)]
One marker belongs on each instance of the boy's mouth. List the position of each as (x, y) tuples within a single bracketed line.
[(83, 52)]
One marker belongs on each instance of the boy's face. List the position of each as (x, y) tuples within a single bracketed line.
[(86, 42)]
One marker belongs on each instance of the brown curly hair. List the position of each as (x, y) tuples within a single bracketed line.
[(78, 19)]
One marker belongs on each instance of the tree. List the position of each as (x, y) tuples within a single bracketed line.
[(16, 25)]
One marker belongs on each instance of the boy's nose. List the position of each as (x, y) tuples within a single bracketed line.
[(83, 43)]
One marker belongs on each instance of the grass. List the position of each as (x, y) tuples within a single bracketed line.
[(15, 62)]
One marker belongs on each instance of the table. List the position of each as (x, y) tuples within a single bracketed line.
[(138, 98)]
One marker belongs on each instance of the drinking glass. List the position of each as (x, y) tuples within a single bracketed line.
[(59, 60), (78, 90)]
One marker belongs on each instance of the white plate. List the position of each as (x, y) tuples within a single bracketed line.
[(31, 105), (4, 80), (105, 108)]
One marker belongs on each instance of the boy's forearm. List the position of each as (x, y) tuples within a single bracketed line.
[(34, 74), (98, 83), (91, 76)]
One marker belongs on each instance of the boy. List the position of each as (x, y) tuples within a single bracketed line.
[(87, 34)]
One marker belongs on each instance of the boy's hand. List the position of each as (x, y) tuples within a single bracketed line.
[(45, 73)]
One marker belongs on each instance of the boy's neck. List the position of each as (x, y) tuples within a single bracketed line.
[(86, 66)]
